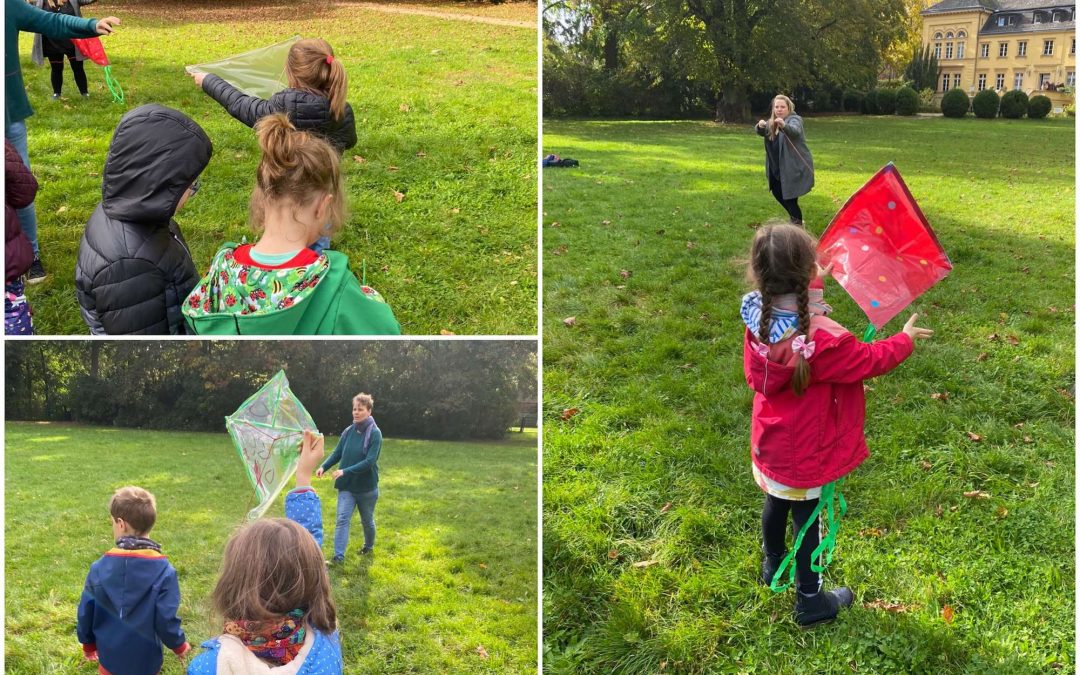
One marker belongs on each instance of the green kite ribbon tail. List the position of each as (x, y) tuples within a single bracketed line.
[(868, 336), (114, 87)]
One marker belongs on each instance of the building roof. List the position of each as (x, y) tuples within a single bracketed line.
[(1025, 20), (963, 6)]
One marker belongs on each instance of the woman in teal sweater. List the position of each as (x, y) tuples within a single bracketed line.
[(357, 482)]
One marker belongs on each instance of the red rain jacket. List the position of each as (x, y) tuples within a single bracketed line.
[(810, 440)]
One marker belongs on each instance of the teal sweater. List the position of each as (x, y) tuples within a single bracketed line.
[(361, 471), (19, 16)]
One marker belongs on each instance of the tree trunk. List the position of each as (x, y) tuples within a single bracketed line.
[(611, 50), (733, 105)]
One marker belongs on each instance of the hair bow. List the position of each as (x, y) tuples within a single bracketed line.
[(329, 60), (762, 349), (800, 346)]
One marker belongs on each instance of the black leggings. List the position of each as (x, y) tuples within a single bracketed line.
[(57, 65), (790, 205), (774, 526)]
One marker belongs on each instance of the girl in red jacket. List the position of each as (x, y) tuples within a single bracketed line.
[(806, 372)]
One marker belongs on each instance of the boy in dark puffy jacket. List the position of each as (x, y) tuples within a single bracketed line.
[(134, 268), (129, 604)]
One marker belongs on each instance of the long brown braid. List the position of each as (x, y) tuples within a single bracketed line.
[(782, 260)]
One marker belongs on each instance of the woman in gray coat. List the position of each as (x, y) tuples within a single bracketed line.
[(56, 49), (788, 163)]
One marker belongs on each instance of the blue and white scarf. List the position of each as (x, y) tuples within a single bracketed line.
[(785, 314)]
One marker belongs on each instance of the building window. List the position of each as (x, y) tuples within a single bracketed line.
[(948, 50), (1072, 50), (1021, 48), (1048, 47), (982, 81), (956, 80), (959, 50), (1000, 81), (1070, 78), (1019, 82), (1003, 49), (937, 36), (984, 50), (937, 50), (945, 82), (1001, 21), (961, 34), (1044, 79)]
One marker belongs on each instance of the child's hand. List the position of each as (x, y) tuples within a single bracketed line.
[(823, 272), (198, 77), (90, 656), (311, 454), (318, 472), (914, 332)]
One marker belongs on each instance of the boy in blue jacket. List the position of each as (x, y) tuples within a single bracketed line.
[(129, 604)]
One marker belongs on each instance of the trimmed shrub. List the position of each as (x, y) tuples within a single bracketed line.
[(886, 101), (1014, 104), (907, 101), (852, 100), (1039, 107), (955, 103), (986, 104), (869, 103)]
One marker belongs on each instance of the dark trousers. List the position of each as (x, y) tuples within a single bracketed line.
[(790, 205), (57, 64), (774, 527)]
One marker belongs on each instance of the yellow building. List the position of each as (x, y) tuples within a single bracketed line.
[(1002, 45)]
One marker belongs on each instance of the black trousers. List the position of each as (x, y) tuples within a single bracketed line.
[(790, 205), (774, 527), (57, 65)]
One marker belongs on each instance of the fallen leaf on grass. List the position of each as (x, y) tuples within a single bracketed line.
[(625, 274), (399, 196), (61, 209), (612, 554), (555, 224), (645, 563), (1029, 439), (404, 107), (605, 222), (1013, 340), (391, 168), (568, 413), (1052, 309), (690, 245), (977, 494), (570, 321), (973, 436), (665, 508), (947, 613), (1001, 512), (894, 607), (559, 250), (481, 566), (421, 153), (982, 357), (482, 652), (358, 159), (1018, 425), (872, 532), (993, 337), (926, 466), (943, 396), (938, 510), (446, 332)]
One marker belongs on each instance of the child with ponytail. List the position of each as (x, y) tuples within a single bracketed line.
[(806, 371), (279, 286)]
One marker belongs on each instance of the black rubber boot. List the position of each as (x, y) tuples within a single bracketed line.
[(822, 607), (769, 565)]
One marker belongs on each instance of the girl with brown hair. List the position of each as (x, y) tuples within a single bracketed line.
[(279, 285), (806, 429), (274, 594)]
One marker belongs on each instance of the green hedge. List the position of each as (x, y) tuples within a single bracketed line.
[(955, 103), (1039, 107), (986, 104)]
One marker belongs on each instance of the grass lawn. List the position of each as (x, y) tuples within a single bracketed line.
[(454, 568), (644, 245), (445, 113)]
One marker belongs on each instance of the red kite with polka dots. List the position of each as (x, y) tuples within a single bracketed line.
[(883, 251)]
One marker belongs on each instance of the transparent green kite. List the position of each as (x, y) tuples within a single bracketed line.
[(268, 430), (260, 72)]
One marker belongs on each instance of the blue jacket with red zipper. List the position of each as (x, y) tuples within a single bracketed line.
[(128, 609)]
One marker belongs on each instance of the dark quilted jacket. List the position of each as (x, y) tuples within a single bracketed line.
[(134, 268), (20, 187), (307, 110)]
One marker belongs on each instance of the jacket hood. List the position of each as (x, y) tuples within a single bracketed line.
[(765, 375), (156, 153), (306, 109), (129, 576)]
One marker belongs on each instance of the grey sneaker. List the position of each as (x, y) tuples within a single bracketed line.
[(37, 272), (56, 97)]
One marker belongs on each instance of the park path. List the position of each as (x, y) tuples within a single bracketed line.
[(452, 16)]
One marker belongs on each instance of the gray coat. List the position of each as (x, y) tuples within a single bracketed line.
[(37, 54), (796, 162)]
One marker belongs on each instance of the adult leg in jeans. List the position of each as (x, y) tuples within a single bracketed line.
[(366, 503), (346, 502), (16, 133)]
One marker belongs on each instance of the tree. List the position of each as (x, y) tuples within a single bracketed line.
[(751, 44), (908, 37), (922, 69)]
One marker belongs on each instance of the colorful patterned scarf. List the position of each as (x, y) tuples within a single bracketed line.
[(276, 642)]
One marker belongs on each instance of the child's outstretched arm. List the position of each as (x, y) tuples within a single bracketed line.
[(243, 107), (302, 505), (851, 360)]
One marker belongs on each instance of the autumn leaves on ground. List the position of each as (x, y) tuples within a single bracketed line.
[(958, 542), (451, 586), (441, 184)]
